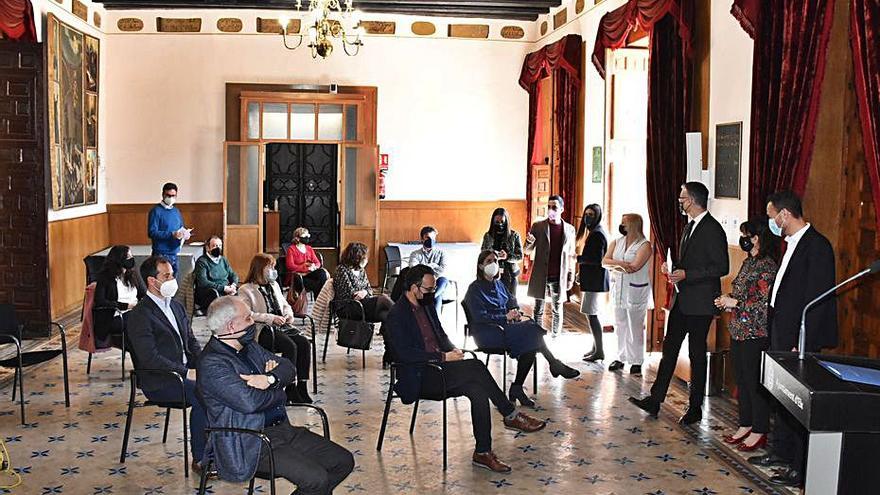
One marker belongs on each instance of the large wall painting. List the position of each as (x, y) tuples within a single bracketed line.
[(73, 115)]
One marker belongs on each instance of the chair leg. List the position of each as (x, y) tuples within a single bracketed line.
[(326, 341), (203, 479), (385, 414), (14, 384), (123, 355), (444, 435), (504, 374), (412, 422), (127, 425), (186, 445), (89, 364), (535, 378), (167, 419), (363, 359), (251, 486), (487, 359), (66, 379), (314, 361), (21, 386)]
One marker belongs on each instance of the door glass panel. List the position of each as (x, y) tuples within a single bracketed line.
[(233, 185), (360, 186), (274, 121), (253, 111), (252, 207), (351, 173), (351, 122), (302, 121), (242, 184), (330, 122)]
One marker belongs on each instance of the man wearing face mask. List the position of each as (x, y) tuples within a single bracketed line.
[(165, 226), (213, 275), (550, 244), (807, 269), (418, 338), (161, 338), (434, 257), (243, 387), (702, 261)]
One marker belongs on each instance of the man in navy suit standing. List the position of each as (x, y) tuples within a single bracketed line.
[(161, 338)]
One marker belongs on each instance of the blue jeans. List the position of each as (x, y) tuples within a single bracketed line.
[(197, 419), (442, 283)]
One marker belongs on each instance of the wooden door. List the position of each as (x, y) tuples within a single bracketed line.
[(242, 203), (541, 187), (359, 200)]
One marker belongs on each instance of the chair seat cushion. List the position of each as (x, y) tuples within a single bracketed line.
[(30, 358)]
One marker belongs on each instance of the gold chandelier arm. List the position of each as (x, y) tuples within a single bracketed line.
[(284, 37)]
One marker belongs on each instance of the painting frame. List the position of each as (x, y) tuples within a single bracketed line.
[(728, 160)]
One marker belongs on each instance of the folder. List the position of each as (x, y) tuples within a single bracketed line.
[(850, 373)]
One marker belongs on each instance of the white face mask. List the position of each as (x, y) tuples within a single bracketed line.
[(169, 201), (491, 269), (272, 274), (168, 288), (363, 263)]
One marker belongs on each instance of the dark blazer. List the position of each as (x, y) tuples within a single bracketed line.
[(592, 277), (810, 272), (408, 347), (704, 260), (156, 345), (107, 298)]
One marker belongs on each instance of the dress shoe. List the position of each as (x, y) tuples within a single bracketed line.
[(488, 460), (733, 439), (759, 444), (691, 416), (592, 358), (557, 368), (524, 423), (615, 365), (516, 393), (197, 468), (787, 476), (302, 389), (646, 404), (635, 369), (767, 460)]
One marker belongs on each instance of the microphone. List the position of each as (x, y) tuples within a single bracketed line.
[(802, 337)]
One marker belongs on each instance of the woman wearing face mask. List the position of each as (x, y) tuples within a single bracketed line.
[(351, 283), (304, 270), (118, 289), (627, 258), (274, 316), (507, 245), (748, 303), (489, 305), (592, 276)]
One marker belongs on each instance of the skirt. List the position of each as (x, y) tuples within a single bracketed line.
[(590, 302)]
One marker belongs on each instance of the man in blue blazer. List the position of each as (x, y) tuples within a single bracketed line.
[(242, 385), (417, 338), (161, 338)]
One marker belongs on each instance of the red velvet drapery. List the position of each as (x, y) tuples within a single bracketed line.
[(791, 41), (17, 20), (865, 38), (563, 60)]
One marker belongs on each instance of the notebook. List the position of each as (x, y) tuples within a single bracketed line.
[(850, 373)]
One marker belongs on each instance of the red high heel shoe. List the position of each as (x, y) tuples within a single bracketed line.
[(760, 444), (735, 440)]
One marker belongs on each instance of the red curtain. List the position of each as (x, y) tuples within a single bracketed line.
[(865, 38), (563, 60), (791, 41), (17, 20)]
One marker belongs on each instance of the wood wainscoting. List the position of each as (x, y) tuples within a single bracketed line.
[(128, 221), (69, 242), (456, 221)]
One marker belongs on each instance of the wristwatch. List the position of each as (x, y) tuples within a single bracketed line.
[(271, 378)]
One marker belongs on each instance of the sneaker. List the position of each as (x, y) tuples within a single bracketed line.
[(524, 423), (488, 460)]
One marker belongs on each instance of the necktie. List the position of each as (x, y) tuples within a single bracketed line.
[(685, 238)]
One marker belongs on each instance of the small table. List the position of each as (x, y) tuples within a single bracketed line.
[(186, 258)]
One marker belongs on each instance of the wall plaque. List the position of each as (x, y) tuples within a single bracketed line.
[(379, 27), (80, 10), (229, 25), (728, 159), (96, 19), (423, 28), (579, 6), (468, 31), (130, 24), (274, 25), (178, 25), (560, 18), (512, 32), (543, 28)]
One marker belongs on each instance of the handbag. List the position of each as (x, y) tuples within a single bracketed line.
[(355, 334)]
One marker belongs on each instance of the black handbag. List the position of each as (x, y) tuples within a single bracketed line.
[(355, 334)]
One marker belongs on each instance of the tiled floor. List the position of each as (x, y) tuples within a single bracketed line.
[(596, 441)]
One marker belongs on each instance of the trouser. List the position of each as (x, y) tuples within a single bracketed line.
[(313, 463), (629, 324), (471, 379), (205, 296), (754, 409), (312, 281), (295, 348), (442, 284), (695, 328), (553, 287), (114, 328), (197, 420)]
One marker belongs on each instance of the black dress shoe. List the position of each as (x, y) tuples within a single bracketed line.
[(635, 369), (767, 460), (592, 358), (691, 416), (787, 476), (646, 404), (615, 365)]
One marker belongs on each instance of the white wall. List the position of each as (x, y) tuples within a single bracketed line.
[(450, 112)]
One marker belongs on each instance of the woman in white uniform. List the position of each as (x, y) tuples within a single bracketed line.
[(631, 295)]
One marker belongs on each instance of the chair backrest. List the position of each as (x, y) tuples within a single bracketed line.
[(392, 257), (398, 289), (467, 313), (94, 264), (8, 321)]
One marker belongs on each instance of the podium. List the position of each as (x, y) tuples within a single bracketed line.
[(842, 418)]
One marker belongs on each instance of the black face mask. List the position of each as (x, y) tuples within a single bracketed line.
[(427, 300), (746, 244), (216, 252), (244, 339), (590, 222), (499, 227), (622, 229), (128, 263), (305, 239), (428, 243)]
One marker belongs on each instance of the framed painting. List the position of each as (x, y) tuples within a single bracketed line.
[(728, 159)]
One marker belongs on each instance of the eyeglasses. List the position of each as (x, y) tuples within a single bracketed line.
[(428, 290), (553, 207)]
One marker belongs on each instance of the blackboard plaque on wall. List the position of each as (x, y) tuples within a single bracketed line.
[(728, 159)]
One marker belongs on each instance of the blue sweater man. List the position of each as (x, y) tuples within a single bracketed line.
[(165, 226)]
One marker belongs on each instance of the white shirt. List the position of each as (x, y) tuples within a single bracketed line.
[(792, 241), (697, 220), (125, 294), (165, 305)]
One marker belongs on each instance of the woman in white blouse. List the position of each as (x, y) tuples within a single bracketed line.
[(118, 288)]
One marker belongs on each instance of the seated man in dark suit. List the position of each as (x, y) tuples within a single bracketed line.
[(161, 338), (242, 385), (418, 338)]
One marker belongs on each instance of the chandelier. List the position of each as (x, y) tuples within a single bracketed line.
[(326, 20)]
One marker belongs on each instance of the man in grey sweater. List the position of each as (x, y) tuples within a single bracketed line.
[(433, 257)]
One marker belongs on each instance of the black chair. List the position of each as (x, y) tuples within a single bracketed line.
[(270, 475), (94, 264), (305, 319), (121, 340), (333, 319), (11, 331), (434, 368), (168, 406), (393, 265), (489, 351)]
